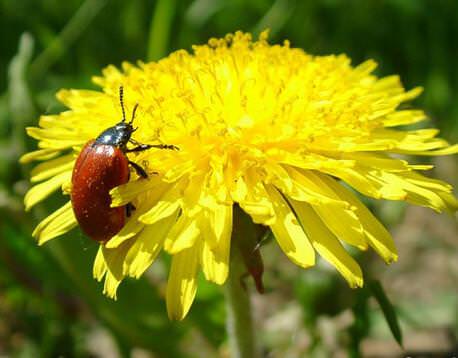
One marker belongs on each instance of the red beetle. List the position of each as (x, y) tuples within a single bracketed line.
[(101, 166)]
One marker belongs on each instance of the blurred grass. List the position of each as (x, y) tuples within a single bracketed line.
[(160, 29), (49, 303)]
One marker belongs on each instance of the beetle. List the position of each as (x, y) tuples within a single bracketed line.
[(101, 166)]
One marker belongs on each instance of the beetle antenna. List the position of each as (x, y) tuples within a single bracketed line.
[(121, 95), (133, 113)]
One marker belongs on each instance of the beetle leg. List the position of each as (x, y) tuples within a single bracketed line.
[(138, 169), (129, 208), (133, 141), (141, 147)]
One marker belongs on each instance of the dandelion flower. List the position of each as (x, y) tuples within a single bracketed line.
[(269, 128)]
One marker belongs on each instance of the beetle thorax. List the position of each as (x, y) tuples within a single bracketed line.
[(117, 135)]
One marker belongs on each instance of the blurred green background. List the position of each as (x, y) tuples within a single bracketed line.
[(49, 303)]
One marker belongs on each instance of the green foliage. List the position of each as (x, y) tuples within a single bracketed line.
[(49, 303), (389, 312)]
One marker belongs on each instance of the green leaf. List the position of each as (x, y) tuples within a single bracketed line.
[(389, 312)]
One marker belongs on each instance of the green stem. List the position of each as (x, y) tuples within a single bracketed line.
[(239, 322)]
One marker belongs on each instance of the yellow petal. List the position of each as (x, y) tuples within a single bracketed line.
[(132, 227), (453, 149), (404, 117), (212, 189), (377, 236), (55, 138), (451, 203), (369, 183), (366, 67), (182, 282), (215, 253), (192, 194), (162, 209), (411, 94), (111, 285), (313, 161), (179, 170), (429, 183), (215, 262), (51, 133), (147, 246), (83, 98), (165, 205), (415, 194), (52, 167), (41, 154), (40, 191), (182, 235), (346, 225), (378, 161), (256, 202), (289, 233), (123, 194), (389, 85), (219, 226), (280, 175), (114, 259), (422, 141), (327, 245), (306, 188), (239, 190), (100, 268), (110, 74), (56, 224)]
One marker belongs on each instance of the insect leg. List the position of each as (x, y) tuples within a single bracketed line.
[(129, 208), (141, 147), (139, 170)]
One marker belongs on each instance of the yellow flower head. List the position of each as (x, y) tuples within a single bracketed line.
[(267, 127)]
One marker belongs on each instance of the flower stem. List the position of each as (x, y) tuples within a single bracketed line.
[(239, 322)]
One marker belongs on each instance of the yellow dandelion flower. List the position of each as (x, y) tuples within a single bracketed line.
[(269, 128)]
